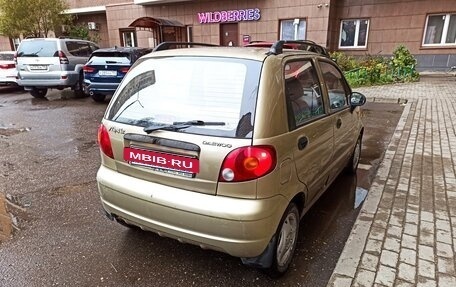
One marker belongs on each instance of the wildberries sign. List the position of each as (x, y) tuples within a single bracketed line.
[(252, 14)]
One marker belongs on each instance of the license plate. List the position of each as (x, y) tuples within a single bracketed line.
[(161, 160), (107, 73), (38, 67)]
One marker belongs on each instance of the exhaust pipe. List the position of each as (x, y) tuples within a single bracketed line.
[(91, 93)]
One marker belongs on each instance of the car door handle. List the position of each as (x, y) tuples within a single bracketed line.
[(302, 143), (338, 123)]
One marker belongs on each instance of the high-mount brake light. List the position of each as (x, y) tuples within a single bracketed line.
[(104, 141), (248, 163)]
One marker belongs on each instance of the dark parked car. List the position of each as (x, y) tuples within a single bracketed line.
[(106, 68)]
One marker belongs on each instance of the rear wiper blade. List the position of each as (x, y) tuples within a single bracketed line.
[(199, 123), (155, 127)]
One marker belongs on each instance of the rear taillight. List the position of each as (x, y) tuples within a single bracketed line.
[(247, 163), (7, 66), (88, 69), (63, 58), (104, 141), (124, 69)]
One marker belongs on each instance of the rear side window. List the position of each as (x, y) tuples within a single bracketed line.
[(114, 56), (165, 91), (303, 92), (78, 48), (37, 48)]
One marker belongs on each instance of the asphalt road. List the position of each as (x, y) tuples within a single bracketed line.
[(48, 162)]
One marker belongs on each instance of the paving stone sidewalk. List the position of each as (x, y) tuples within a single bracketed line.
[(405, 234)]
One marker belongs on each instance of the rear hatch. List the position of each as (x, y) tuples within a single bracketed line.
[(38, 56), (174, 120), (107, 66)]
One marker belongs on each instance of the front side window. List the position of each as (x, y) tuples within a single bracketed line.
[(353, 33), (293, 29), (440, 30), (167, 91), (303, 92), (336, 86)]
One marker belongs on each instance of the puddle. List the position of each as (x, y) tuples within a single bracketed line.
[(360, 196), (4, 131)]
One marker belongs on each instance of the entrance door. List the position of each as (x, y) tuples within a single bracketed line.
[(229, 35)]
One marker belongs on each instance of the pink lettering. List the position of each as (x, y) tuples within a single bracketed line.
[(242, 15), (236, 15), (217, 17), (203, 17), (224, 17)]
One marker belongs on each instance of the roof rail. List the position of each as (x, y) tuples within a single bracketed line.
[(169, 45), (305, 45)]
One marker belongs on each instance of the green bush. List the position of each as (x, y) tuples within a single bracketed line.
[(377, 70)]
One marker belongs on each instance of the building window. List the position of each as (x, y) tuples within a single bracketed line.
[(128, 38), (440, 30), (189, 33), (293, 29), (353, 33)]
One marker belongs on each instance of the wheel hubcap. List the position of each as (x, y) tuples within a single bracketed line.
[(287, 239)]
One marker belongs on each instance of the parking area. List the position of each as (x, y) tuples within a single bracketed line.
[(49, 159)]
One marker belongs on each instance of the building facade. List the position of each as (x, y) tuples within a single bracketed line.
[(357, 27)]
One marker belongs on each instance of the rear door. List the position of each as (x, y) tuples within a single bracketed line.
[(147, 111), (38, 57), (108, 66), (311, 130), (344, 122)]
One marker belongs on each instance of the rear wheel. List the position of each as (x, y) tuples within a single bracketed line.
[(79, 88), (352, 164), (285, 245), (38, 93), (99, 98)]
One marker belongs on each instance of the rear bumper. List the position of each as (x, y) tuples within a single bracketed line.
[(61, 81), (239, 227), (100, 88)]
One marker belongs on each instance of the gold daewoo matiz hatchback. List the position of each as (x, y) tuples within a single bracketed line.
[(228, 147)]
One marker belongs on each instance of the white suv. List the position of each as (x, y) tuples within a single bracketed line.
[(44, 63)]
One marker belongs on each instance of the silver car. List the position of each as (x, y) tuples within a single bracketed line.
[(44, 63)]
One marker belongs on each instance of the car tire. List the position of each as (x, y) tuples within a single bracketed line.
[(79, 87), (285, 238), (99, 98), (38, 93), (352, 164)]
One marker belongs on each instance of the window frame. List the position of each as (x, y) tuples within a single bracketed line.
[(347, 89), (357, 27), (293, 19), (292, 124), (444, 35), (132, 31)]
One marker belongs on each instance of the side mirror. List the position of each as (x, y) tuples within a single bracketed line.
[(357, 99)]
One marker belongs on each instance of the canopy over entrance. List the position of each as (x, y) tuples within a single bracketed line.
[(149, 22), (161, 28)]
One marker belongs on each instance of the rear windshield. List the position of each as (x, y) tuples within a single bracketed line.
[(221, 92), (102, 58), (6, 57), (38, 48)]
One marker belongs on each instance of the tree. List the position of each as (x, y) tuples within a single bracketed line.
[(31, 17)]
